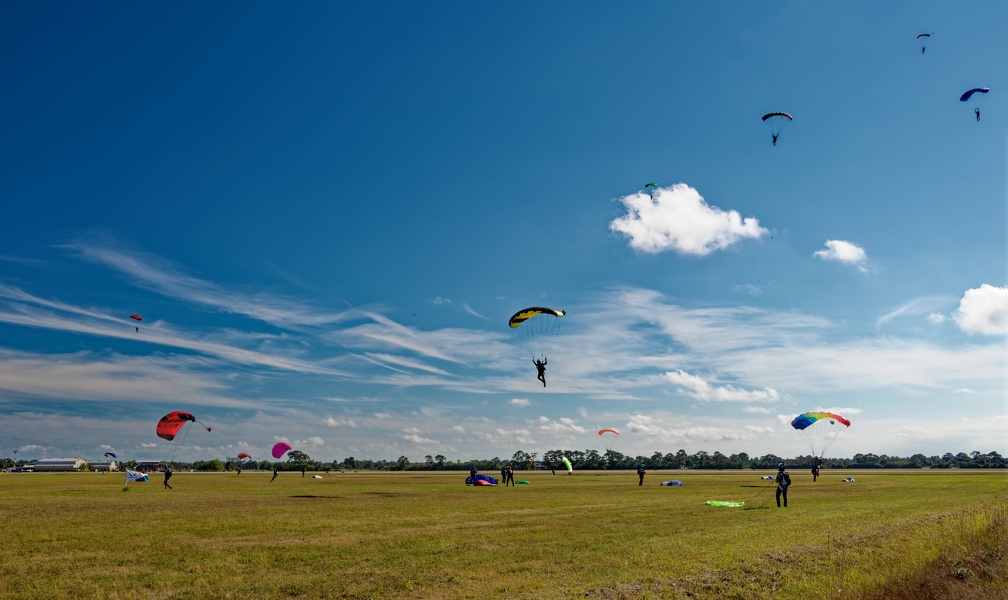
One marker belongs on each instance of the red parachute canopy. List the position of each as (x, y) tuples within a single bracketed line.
[(601, 431), (244, 455), (279, 448), (136, 317), (170, 424)]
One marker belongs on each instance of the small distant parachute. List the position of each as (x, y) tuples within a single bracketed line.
[(136, 317), (777, 121), (924, 35), (567, 464), (538, 327), (653, 184), (170, 424), (969, 93), (280, 448), (111, 454), (244, 455), (601, 431), (820, 429), (924, 38)]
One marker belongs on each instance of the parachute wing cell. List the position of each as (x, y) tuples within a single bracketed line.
[(280, 448)]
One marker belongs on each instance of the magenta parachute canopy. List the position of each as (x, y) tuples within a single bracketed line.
[(279, 448)]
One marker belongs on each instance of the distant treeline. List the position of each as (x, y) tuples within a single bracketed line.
[(593, 460)]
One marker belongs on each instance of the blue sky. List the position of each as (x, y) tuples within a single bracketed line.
[(326, 214)]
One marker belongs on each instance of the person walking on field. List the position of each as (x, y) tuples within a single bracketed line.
[(276, 471), (509, 476), (783, 480), (167, 476), (640, 473)]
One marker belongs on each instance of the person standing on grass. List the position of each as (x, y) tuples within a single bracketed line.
[(640, 473), (509, 476), (504, 474), (472, 474), (783, 480), (167, 476)]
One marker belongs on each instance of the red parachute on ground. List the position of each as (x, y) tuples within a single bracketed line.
[(170, 424)]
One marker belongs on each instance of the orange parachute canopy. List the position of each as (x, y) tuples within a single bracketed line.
[(601, 431), (170, 424)]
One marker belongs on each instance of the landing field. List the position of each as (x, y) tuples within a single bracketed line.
[(905, 534)]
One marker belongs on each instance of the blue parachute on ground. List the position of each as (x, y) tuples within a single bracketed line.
[(481, 480), (674, 482)]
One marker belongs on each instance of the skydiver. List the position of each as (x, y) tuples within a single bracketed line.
[(509, 476), (783, 480), (640, 473), (276, 471), (977, 111), (167, 476), (774, 138), (541, 367), (922, 49)]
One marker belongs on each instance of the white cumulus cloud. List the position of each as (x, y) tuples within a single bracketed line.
[(846, 252), (519, 402), (699, 388), (677, 218), (983, 310)]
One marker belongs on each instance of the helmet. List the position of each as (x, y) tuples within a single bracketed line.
[(780, 467)]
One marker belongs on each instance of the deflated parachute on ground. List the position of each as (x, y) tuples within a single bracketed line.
[(538, 327), (170, 424), (481, 479), (724, 504), (279, 448)]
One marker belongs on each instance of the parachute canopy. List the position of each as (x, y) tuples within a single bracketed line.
[(777, 121), (567, 464), (170, 424), (777, 115), (924, 35), (724, 504), (538, 327), (111, 454), (136, 317), (280, 448), (819, 428), (969, 93), (601, 431), (244, 455)]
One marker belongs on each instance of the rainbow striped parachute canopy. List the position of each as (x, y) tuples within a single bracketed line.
[(805, 419)]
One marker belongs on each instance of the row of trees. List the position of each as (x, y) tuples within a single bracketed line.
[(593, 460)]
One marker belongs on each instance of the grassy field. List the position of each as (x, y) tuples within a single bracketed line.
[(919, 534)]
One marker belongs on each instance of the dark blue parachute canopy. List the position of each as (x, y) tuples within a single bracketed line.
[(966, 95)]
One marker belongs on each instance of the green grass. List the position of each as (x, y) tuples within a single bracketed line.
[(910, 534)]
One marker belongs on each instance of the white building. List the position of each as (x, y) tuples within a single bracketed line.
[(59, 464), (103, 465)]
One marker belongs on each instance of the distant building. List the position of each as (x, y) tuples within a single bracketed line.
[(149, 466), (59, 464), (103, 465)]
